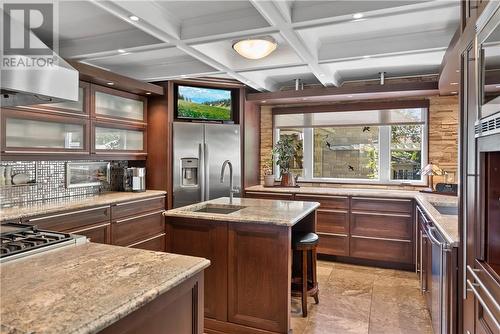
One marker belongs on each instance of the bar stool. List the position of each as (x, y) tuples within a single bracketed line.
[(304, 280)]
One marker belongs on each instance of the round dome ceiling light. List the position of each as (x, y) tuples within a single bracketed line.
[(255, 47)]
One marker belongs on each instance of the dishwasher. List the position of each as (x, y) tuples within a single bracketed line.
[(436, 282)]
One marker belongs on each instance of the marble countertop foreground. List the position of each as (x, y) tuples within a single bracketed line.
[(64, 204), (446, 224), (85, 288), (259, 211)]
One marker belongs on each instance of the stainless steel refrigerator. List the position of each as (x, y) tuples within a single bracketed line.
[(198, 154)]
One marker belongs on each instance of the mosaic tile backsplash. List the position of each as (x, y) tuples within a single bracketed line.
[(49, 182)]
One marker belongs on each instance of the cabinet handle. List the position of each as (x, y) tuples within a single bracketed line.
[(89, 228), (384, 199), (382, 214), (45, 152), (140, 216), (146, 240), (321, 196), (378, 238), (66, 214), (472, 287), (333, 211), (333, 234), (140, 200), (483, 287)]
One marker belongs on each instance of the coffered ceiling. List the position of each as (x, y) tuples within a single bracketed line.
[(319, 42)]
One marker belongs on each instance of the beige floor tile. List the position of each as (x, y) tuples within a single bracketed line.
[(358, 299)]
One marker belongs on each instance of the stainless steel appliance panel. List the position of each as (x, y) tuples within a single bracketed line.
[(222, 142), (188, 142)]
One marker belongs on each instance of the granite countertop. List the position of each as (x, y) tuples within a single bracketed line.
[(85, 288), (446, 224), (259, 211), (68, 203)]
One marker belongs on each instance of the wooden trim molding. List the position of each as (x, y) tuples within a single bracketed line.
[(354, 106)]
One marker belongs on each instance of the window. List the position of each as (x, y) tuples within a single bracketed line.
[(346, 152), (367, 146)]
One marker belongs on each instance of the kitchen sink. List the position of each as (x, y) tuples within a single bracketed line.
[(220, 209), (447, 210)]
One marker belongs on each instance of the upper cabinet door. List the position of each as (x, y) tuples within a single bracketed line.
[(114, 104), (78, 108), (34, 132)]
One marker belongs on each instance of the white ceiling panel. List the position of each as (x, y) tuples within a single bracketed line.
[(223, 52)]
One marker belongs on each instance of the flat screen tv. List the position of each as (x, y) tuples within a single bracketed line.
[(203, 103)]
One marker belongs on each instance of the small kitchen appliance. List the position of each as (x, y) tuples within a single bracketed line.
[(134, 179)]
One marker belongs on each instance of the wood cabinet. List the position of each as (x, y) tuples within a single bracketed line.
[(138, 224), (248, 282), (381, 230), (33, 133), (178, 311), (104, 123)]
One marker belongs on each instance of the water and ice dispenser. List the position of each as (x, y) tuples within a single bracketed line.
[(189, 172)]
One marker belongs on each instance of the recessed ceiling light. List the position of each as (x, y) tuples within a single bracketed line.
[(357, 16), (133, 18), (255, 47), (110, 83), (453, 83)]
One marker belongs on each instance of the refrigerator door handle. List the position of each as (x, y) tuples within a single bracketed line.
[(201, 169), (207, 172)]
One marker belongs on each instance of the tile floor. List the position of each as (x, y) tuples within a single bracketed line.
[(362, 300)]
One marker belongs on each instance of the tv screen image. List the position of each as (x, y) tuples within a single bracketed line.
[(204, 103)]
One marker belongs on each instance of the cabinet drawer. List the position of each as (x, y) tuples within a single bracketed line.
[(156, 243), (329, 221), (327, 202), (130, 230), (381, 204), (392, 226), (99, 233), (139, 206), (72, 220), (383, 250), (262, 195), (333, 244)]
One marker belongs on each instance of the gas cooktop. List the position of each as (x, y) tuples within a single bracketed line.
[(18, 240)]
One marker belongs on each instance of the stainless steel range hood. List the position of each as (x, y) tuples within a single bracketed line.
[(27, 86)]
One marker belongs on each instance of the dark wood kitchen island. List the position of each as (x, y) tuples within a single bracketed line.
[(248, 285)]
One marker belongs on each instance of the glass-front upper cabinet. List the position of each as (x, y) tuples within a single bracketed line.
[(108, 137), (29, 132), (115, 104), (79, 107), (489, 52)]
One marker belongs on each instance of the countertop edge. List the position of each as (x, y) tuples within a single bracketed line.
[(79, 204), (410, 194), (130, 306)]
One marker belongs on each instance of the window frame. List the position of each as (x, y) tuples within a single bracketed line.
[(385, 176)]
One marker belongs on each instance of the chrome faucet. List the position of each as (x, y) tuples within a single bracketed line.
[(232, 190)]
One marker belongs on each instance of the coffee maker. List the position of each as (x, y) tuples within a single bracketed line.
[(134, 179)]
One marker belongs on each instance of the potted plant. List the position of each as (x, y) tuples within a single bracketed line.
[(268, 173), (285, 149)]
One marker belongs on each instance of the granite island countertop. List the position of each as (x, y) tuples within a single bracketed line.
[(258, 211), (85, 288), (68, 203), (446, 224)]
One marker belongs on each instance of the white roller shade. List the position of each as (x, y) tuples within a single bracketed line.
[(351, 118)]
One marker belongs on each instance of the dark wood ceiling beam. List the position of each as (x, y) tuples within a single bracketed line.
[(332, 94), (102, 77)]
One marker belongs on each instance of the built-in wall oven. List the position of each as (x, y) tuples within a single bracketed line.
[(483, 275)]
